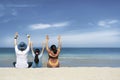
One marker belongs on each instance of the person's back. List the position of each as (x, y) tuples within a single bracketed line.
[(21, 51), (37, 55), (21, 58), (53, 53), (37, 62)]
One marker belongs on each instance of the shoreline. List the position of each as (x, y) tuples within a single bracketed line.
[(62, 73)]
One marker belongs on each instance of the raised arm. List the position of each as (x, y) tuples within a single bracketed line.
[(32, 48), (59, 47), (28, 46), (47, 48), (43, 47), (15, 39), (15, 42), (59, 43), (28, 36)]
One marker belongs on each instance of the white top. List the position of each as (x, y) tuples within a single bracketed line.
[(21, 57), (34, 65)]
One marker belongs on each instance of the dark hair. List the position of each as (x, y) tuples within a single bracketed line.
[(36, 60), (53, 48), (37, 50), (22, 46)]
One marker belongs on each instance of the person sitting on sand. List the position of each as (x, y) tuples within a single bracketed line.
[(53, 53), (21, 51), (37, 56)]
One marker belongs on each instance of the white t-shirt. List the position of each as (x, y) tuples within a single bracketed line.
[(21, 57)]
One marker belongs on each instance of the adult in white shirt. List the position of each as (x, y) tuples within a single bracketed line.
[(21, 51)]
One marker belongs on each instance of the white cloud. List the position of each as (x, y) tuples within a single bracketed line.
[(4, 11), (19, 5), (107, 23), (60, 24), (39, 26), (45, 26), (92, 39), (113, 21)]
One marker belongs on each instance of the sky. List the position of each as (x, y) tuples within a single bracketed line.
[(81, 23)]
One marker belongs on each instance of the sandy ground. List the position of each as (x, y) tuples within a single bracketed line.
[(64, 73)]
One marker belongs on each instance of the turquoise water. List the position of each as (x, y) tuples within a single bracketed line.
[(72, 57)]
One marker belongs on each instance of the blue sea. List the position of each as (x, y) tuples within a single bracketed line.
[(71, 57)]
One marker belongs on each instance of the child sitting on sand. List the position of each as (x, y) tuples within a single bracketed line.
[(37, 56)]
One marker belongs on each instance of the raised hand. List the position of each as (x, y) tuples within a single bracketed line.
[(16, 35), (47, 37), (28, 35), (59, 37)]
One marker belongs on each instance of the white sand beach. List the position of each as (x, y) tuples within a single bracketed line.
[(63, 73)]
